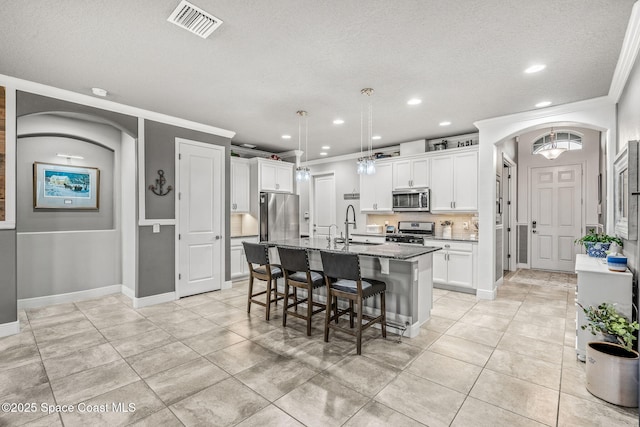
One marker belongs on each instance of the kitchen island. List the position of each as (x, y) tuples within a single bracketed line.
[(406, 269)]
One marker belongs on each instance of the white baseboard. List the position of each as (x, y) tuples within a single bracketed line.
[(11, 328), (128, 292), (68, 297), (154, 299), (226, 285), (485, 294)]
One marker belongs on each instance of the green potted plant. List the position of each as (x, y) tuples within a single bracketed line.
[(612, 364), (596, 244)]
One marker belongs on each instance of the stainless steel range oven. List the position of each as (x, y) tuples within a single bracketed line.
[(412, 232)]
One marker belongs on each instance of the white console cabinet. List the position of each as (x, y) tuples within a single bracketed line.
[(239, 267), (597, 284)]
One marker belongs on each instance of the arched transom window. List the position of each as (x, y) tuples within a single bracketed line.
[(564, 139)]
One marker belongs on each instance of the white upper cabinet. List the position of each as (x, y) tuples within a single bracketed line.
[(240, 181), (275, 175), (454, 182), (411, 173), (375, 190)]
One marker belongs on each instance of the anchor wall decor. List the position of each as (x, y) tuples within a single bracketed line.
[(160, 182)]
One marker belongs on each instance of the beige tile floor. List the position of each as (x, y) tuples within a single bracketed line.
[(203, 361)]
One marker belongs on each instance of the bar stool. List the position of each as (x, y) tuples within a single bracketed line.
[(258, 255), (343, 280), (297, 274)]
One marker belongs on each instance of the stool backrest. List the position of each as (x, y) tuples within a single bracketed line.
[(340, 265), (292, 259), (256, 253)]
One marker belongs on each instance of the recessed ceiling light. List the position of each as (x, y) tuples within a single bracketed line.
[(414, 101), (326, 147), (99, 92), (248, 145), (323, 154), (543, 104), (535, 68), (286, 136), (338, 121), (376, 137), (69, 156), (445, 123)]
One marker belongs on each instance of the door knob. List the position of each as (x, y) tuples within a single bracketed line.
[(218, 237), (534, 231)]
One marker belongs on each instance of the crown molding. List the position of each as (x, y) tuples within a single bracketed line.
[(628, 55), (105, 104)]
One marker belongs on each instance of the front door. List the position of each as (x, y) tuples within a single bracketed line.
[(200, 220), (556, 216)]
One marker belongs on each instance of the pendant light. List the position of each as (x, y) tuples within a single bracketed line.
[(551, 150), (366, 162), (302, 172)]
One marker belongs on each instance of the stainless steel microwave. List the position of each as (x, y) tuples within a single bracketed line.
[(412, 199)]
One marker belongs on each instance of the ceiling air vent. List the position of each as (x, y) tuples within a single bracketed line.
[(194, 19)]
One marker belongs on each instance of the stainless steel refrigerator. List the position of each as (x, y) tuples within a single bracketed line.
[(279, 218)]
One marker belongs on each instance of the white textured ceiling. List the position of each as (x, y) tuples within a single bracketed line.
[(464, 58)]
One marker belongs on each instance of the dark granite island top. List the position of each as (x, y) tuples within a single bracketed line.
[(384, 250)]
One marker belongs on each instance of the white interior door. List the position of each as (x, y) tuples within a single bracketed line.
[(324, 203), (200, 220), (556, 216)]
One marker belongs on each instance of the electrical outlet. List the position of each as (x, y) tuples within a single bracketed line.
[(156, 228), (465, 225)]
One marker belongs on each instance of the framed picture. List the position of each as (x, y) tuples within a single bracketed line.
[(65, 187)]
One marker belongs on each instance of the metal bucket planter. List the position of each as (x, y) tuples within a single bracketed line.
[(612, 373)]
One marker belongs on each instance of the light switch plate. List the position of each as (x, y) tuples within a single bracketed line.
[(156, 228)]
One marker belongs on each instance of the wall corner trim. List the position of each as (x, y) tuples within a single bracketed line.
[(10, 328), (153, 299), (485, 294)]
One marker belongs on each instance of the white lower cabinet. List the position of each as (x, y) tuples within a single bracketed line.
[(239, 266), (375, 239), (455, 264)]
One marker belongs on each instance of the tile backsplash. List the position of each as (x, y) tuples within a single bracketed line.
[(243, 225), (457, 228)]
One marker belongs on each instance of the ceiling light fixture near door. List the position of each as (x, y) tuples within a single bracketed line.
[(366, 162), (551, 150), (194, 19), (302, 172), (535, 68), (99, 91)]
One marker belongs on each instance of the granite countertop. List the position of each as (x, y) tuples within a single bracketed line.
[(385, 250)]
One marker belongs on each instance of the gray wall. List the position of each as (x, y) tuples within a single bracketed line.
[(8, 287), (156, 265), (44, 149), (156, 270), (629, 130)]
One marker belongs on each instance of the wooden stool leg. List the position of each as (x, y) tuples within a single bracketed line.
[(286, 302), (250, 293), (359, 331), (309, 308), (268, 305), (335, 307), (351, 313), (327, 317), (383, 307)]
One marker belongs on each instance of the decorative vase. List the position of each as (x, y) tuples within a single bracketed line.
[(446, 232), (597, 249), (617, 262), (612, 373)]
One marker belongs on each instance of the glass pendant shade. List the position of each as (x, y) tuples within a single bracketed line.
[(367, 163), (551, 151)]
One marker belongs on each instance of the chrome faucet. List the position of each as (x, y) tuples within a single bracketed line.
[(347, 223)]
